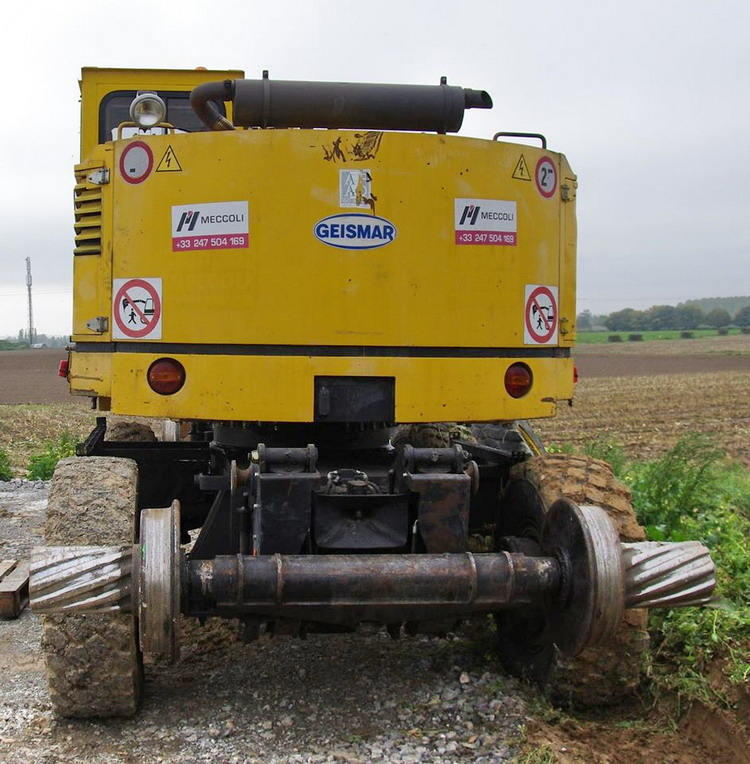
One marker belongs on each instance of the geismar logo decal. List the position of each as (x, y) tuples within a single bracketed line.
[(355, 231)]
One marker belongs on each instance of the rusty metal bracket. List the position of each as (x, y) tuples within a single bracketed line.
[(443, 510), (283, 483), (441, 480)]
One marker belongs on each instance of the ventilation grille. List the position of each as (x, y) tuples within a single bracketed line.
[(88, 212)]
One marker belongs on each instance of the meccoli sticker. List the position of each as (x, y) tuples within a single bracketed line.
[(214, 225), (485, 221), (355, 231)]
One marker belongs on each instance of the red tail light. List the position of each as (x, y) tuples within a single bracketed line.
[(518, 379), (63, 368), (166, 376), (575, 374)]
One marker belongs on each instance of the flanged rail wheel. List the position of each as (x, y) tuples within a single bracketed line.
[(604, 674), (94, 665)]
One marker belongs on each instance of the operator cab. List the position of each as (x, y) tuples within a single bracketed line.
[(106, 96), (114, 109)]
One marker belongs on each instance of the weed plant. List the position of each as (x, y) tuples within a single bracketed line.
[(42, 463), (6, 473), (694, 493)]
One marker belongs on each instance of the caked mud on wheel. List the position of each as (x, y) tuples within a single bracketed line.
[(129, 431), (599, 675), (519, 436), (432, 435), (94, 665)]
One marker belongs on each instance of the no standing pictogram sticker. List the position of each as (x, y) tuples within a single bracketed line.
[(540, 315), (136, 309), (546, 177)]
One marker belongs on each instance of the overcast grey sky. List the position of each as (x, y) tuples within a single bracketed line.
[(650, 101)]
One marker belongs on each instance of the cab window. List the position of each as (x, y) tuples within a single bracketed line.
[(114, 109)]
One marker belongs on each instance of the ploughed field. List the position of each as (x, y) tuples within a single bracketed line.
[(30, 376), (647, 395)]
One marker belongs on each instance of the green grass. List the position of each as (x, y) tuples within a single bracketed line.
[(6, 471), (542, 754), (694, 493), (42, 463), (595, 338)]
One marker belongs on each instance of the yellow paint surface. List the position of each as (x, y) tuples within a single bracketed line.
[(286, 287)]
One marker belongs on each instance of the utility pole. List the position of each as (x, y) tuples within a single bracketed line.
[(32, 333)]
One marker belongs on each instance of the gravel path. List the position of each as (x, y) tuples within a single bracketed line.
[(345, 698)]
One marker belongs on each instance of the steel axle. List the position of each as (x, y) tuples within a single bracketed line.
[(354, 588), (583, 579)]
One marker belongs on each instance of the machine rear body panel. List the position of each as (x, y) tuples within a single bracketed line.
[(276, 256)]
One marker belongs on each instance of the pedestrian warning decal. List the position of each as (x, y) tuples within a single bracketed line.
[(136, 309), (546, 177), (169, 162), (522, 171), (540, 315), (136, 162)]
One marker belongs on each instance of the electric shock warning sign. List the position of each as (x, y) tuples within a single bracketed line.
[(215, 225), (485, 221)]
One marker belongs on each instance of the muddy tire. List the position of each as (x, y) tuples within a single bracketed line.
[(130, 432), (600, 675), (432, 435), (502, 435), (94, 666)]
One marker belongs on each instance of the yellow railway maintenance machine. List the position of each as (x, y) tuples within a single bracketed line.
[(294, 269)]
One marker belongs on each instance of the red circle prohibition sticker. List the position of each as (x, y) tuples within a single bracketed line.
[(545, 176), (137, 310), (540, 315), (136, 162)]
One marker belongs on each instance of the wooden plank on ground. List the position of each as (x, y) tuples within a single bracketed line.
[(14, 590), (6, 566)]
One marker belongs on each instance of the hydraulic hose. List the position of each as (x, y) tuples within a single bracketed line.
[(202, 100)]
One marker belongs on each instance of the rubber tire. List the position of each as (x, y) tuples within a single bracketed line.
[(432, 435), (609, 673), (94, 665), (130, 432), (499, 434)]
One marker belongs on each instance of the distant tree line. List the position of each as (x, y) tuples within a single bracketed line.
[(50, 340), (730, 304), (684, 317)]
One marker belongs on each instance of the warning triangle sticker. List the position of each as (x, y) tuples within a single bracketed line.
[(169, 162), (520, 173)]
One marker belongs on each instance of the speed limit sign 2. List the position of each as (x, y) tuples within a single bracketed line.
[(546, 177)]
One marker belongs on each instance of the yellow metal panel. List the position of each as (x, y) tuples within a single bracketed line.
[(90, 374), (273, 388), (569, 236), (92, 273), (287, 287)]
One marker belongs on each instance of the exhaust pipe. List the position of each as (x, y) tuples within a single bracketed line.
[(337, 105)]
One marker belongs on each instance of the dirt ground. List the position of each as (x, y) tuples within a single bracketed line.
[(644, 395), (30, 376), (659, 357)]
